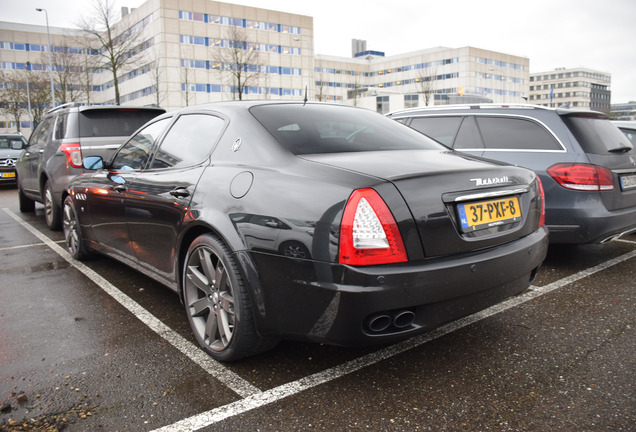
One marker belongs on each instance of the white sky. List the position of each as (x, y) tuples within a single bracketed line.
[(595, 34)]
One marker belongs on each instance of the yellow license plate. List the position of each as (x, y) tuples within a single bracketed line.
[(7, 175), (488, 214)]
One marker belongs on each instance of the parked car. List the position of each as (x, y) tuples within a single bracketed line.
[(587, 166), (628, 128), (11, 145), (54, 153), (405, 233)]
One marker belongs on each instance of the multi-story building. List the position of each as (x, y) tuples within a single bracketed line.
[(576, 88), (182, 58), (427, 77), (624, 111)]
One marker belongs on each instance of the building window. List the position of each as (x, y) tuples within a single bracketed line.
[(382, 104), (411, 101)]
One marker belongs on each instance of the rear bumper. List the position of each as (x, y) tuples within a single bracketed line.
[(345, 305), (594, 224)]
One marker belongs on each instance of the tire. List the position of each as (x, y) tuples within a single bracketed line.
[(27, 205), (52, 212), (72, 232), (217, 302)]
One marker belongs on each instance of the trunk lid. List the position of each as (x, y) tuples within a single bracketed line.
[(442, 188), (606, 146)]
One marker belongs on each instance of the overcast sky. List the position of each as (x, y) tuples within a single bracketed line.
[(595, 34)]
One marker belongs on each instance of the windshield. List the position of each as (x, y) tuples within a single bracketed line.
[(12, 142), (314, 128)]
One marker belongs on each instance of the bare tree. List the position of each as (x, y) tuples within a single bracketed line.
[(13, 96), (116, 50), (40, 93), (68, 74), (426, 84), (239, 60), (155, 73)]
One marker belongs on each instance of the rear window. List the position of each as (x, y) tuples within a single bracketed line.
[(598, 136), (314, 128), (102, 123)]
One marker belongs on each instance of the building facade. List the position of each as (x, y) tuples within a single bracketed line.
[(433, 76), (181, 57), (575, 88), (624, 111)]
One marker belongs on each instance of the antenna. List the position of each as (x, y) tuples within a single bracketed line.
[(305, 100)]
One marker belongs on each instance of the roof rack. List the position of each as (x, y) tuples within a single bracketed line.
[(66, 105)]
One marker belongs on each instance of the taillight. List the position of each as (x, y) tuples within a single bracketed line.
[(369, 234), (582, 177), (542, 198), (73, 154)]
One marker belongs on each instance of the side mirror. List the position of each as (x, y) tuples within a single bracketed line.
[(93, 162)]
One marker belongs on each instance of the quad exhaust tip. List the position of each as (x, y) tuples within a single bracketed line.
[(397, 320)]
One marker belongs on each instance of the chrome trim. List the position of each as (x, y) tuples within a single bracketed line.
[(493, 194)]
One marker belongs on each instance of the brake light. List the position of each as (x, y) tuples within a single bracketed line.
[(582, 177), (542, 205), (73, 154), (368, 233)]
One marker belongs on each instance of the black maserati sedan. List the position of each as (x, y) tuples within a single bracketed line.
[(308, 221)]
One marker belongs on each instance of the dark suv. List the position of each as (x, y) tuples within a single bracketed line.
[(54, 152), (587, 166), (11, 145)]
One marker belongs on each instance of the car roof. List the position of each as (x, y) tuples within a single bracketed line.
[(81, 107), (626, 124), (563, 111)]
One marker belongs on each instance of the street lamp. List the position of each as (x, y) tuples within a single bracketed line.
[(28, 65), (48, 35)]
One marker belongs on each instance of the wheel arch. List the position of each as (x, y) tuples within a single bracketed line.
[(246, 266)]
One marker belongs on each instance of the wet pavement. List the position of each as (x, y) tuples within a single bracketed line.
[(98, 346)]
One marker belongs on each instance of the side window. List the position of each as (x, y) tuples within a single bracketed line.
[(442, 129), (515, 134), (60, 126), (189, 141), (468, 137), (40, 135), (135, 153)]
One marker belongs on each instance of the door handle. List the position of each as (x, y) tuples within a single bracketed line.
[(180, 192)]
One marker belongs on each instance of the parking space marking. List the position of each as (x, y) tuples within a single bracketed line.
[(231, 380), (289, 389), (252, 397)]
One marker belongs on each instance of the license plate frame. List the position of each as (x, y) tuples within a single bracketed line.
[(489, 213), (628, 182)]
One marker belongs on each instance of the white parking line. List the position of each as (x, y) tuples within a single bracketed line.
[(212, 367), (270, 396), (253, 398)]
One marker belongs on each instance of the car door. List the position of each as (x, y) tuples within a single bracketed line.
[(31, 159), (158, 198), (109, 189)]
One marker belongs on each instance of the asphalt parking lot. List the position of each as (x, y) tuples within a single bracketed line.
[(97, 346)]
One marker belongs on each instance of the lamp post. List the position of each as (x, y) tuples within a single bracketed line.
[(48, 35), (28, 65)]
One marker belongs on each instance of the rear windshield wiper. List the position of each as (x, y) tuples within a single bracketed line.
[(621, 149)]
